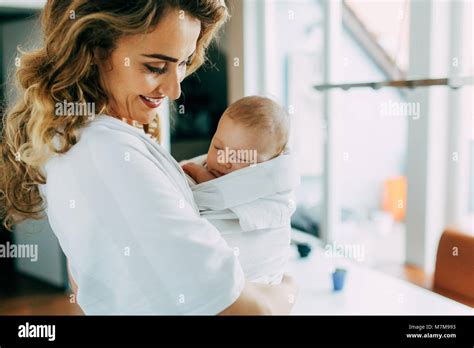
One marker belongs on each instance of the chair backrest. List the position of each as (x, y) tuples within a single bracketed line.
[(454, 270)]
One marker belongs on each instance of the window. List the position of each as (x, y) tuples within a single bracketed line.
[(373, 142), (373, 132)]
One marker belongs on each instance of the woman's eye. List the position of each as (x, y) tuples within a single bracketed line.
[(154, 70)]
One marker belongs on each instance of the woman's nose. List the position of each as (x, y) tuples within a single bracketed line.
[(171, 85)]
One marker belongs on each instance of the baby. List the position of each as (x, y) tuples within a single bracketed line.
[(244, 185), (251, 130)]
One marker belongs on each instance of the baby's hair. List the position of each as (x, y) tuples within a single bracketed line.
[(262, 114)]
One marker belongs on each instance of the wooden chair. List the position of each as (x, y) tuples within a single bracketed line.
[(454, 270)]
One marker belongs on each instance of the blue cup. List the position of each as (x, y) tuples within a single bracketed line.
[(338, 278)]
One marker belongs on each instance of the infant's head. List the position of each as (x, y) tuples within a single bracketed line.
[(251, 130)]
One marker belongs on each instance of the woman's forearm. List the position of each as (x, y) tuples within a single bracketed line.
[(262, 299), (255, 299)]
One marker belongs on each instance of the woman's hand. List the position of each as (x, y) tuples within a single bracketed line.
[(283, 298), (263, 299)]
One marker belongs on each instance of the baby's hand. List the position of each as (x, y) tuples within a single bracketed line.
[(198, 173)]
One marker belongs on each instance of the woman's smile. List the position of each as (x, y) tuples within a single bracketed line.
[(150, 102)]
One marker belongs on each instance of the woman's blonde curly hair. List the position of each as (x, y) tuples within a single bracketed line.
[(63, 70)]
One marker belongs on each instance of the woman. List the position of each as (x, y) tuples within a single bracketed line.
[(118, 203)]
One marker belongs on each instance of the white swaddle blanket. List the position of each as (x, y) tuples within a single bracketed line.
[(252, 209)]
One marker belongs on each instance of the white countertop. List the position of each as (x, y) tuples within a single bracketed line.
[(366, 291)]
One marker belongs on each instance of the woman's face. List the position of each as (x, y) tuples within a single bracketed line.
[(145, 68)]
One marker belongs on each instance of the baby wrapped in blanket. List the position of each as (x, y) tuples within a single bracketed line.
[(244, 185)]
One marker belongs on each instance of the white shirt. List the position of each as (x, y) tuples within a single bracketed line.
[(252, 207), (126, 219)]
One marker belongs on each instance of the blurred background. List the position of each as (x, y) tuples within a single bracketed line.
[(388, 169)]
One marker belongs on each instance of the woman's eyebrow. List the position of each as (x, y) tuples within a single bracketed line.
[(161, 56)]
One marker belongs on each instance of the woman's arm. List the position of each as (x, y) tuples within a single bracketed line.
[(263, 299), (255, 299), (71, 280)]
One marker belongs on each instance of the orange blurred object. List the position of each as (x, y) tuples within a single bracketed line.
[(395, 197)]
